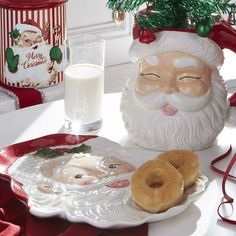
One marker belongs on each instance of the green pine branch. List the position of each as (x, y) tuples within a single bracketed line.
[(127, 5), (171, 13)]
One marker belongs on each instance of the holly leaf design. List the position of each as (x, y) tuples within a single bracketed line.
[(47, 152), (83, 148), (56, 54), (14, 33), (12, 60)]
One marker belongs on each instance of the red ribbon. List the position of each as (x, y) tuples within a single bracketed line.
[(232, 100), (25, 96), (226, 175)]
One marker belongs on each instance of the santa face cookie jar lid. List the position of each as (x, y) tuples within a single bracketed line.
[(29, 4)]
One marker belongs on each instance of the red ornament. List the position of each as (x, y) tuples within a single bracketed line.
[(147, 36), (232, 100), (136, 31)]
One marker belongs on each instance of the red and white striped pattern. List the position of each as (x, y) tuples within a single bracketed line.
[(10, 17)]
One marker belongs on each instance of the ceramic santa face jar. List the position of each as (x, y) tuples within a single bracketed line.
[(176, 98)]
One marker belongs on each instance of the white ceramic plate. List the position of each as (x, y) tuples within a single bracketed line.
[(105, 204)]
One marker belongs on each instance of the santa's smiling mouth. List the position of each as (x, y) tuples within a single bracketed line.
[(169, 110)]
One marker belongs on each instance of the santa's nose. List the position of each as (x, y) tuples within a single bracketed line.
[(168, 86)]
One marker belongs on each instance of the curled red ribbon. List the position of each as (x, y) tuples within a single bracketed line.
[(226, 175)]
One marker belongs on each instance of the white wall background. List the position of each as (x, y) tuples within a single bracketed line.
[(92, 16)]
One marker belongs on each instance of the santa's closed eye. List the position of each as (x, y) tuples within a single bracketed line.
[(190, 77), (150, 74)]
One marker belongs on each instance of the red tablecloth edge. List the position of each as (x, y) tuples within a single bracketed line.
[(24, 96)]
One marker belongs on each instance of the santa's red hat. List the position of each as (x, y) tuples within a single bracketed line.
[(22, 27), (30, 25), (207, 48)]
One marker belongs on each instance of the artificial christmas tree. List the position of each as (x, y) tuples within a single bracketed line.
[(176, 98), (180, 14)]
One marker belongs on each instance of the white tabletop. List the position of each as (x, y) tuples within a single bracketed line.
[(199, 219)]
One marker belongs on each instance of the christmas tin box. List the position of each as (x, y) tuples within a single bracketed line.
[(31, 37)]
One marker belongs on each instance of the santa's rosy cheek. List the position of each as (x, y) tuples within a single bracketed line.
[(146, 85), (193, 88)]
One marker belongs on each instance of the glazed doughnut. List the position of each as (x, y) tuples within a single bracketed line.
[(156, 186), (186, 162)]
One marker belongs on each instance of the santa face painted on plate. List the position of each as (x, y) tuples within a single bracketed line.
[(85, 169), (176, 99)]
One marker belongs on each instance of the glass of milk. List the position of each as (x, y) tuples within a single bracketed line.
[(84, 83)]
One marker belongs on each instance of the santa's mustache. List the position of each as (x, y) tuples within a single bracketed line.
[(157, 100)]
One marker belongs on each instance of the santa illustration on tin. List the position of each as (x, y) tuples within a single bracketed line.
[(32, 61)]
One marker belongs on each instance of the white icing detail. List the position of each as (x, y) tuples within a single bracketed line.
[(182, 62)]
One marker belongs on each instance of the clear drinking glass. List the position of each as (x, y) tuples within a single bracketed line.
[(84, 82)]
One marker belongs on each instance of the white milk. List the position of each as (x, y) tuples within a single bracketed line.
[(83, 93)]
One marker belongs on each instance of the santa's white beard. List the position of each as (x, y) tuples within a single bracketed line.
[(193, 129)]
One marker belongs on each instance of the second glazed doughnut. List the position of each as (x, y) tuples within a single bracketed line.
[(186, 162)]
